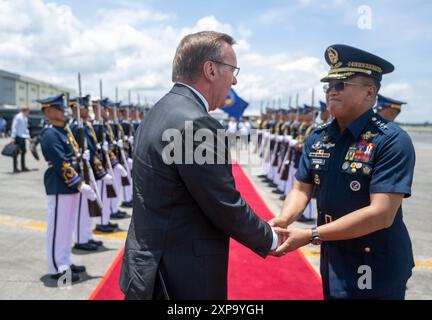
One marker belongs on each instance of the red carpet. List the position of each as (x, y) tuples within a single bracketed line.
[(249, 277)]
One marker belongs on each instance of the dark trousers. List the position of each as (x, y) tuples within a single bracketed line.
[(21, 142)]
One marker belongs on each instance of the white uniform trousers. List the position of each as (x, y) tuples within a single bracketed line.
[(83, 225), (127, 190), (291, 178), (115, 202), (106, 202), (61, 214)]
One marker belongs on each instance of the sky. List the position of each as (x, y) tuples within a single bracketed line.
[(280, 44)]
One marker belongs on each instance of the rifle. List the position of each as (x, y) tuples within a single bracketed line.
[(130, 124), (111, 191), (125, 180), (289, 153), (95, 206)]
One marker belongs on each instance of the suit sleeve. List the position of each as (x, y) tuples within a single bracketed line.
[(212, 187)]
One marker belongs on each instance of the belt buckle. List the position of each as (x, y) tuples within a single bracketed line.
[(328, 218)]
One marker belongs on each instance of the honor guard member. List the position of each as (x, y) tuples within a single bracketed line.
[(361, 167), (63, 186), (388, 108), (324, 113), (84, 223), (109, 160), (119, 170), (127, 134)]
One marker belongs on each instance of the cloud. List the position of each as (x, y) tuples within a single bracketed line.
[(132, 48)]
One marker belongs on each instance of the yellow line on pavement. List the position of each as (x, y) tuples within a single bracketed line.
[(40, 225)]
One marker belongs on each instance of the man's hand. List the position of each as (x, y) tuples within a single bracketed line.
[(86, 155), (105, 146), (120, 143), (294, 238), (87, 191), (122, 170), (108, 179), (278, 222)]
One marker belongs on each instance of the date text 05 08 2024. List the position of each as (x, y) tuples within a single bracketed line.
[(217, 309)]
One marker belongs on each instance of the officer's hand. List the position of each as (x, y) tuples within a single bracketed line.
[(278, 222), (130, 163), (105, 146), (86, 155), (131, 140), (122, 170), (120, 143), (98, 146), (87, 191), (294, 239), (108, 179)]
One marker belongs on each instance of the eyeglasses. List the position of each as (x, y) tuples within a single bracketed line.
[(236, 69), (340, 86)]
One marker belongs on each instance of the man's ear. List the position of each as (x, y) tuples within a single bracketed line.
[(209, 71)]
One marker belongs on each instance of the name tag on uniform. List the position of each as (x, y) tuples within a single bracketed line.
[(318, 161), (319, 154)]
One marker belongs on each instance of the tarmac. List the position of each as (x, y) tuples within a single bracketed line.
[(23, 267)]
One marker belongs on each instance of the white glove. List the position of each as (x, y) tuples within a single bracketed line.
[(105, 146), (131, 140), (293, 143), (279, 138), (120, 143), (126, 137), (130, 163), (122, 170), (98, 146), (108, 179), (272, 137), (87, 191), (86, 155)]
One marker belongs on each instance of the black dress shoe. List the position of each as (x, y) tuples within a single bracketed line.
[(104, 228), (86, 246), (77, 269), (25, 169), (98, 243), (118, 215), (283, 197), (113, 225), (262, 176), (16, 171), (127, 204), (272, 184), (74, 276)]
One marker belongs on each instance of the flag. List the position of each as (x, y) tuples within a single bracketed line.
[(234, 105)]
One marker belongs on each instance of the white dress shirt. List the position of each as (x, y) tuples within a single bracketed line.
[(20, 126)]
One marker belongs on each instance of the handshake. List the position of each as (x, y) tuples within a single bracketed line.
[(289, 238)]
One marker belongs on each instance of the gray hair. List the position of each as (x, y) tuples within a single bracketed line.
[(194, 50)]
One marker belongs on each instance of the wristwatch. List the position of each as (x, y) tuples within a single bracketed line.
[(316, 237)]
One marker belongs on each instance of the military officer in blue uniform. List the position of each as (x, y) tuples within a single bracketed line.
[(63, 185), (361, 167), (388, 108)]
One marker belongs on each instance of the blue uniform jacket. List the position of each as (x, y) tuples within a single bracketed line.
[(63, 173), (371, 156)]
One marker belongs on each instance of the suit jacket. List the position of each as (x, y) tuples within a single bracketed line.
[(184, 214)]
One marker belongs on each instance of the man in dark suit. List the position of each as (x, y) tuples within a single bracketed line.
[(185, 211)]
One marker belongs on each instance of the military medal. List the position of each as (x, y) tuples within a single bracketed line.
[(366, 170), (317, 179), (355, 185), (345, 165)]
